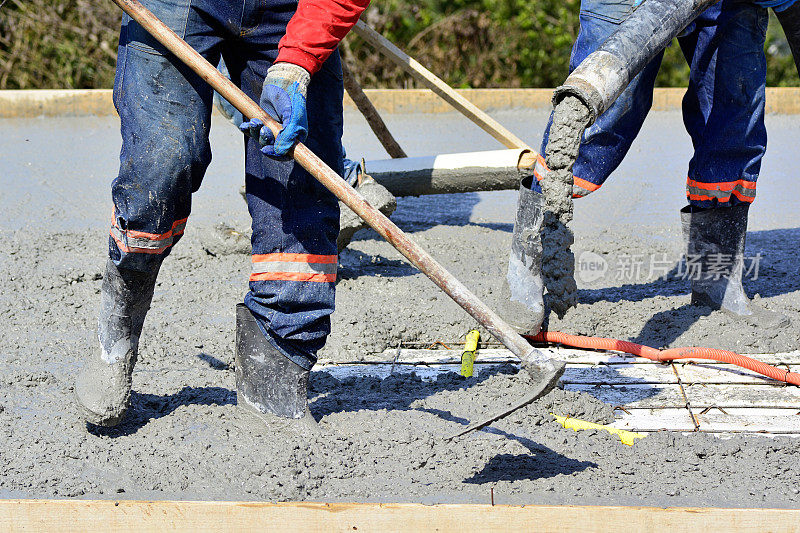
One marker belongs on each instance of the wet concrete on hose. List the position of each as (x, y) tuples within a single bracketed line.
[(558, 262), (381, 440)]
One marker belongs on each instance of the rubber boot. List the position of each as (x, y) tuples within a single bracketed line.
[(103, 387), (378, 197), (715, 240), (268, 384), (521, 302)]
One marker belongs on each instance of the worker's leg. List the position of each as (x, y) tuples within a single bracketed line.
[(724, 115), (295, 225), (604, 145), (165, 117), (789, 17), (605, 142)]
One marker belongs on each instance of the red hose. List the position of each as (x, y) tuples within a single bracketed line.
[(723, 356)]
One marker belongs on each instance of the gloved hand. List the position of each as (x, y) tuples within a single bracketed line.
[(284, 98)]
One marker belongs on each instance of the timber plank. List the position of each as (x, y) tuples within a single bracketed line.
[(618, 374), (639, 395), (671, 419), (751, 420), (118, 516), (702, 395), (725, 373)]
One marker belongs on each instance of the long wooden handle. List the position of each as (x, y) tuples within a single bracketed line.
[(438, 86), (333, 182), (371, 115)]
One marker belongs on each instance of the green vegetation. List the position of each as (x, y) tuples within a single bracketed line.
[(470, 43), (46, 44)]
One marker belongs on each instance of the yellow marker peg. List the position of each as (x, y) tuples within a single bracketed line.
[(468, 357), (626, 437)]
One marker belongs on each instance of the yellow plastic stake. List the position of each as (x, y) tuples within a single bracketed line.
[(627, 437), (468, 357)]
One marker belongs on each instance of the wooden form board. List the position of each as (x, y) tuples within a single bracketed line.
[(648, 396), (142, 516)]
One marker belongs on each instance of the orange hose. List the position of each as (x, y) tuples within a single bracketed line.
[(694, 352)]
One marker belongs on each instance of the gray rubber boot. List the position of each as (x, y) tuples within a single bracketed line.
[(715, 244), (268, 384), (103, 388), (521, 302), (378, 197)]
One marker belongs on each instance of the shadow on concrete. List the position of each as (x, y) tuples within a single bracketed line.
[(328, 394), (667, 326), (424, 212), (354, 264), (778, 269), (777, 274), (147, 407), (213, 362), (398, 391), (540, 463)]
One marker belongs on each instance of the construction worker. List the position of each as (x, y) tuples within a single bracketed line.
[(282, 54), (724, 115)]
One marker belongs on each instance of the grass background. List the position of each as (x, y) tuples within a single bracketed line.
[(46, 44)]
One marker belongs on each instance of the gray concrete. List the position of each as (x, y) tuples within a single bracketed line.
[(380, 441), (39, 156)]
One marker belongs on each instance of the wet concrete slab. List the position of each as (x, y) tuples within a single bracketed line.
[(185, 438)]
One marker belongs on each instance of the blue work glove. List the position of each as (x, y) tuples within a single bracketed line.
[(284, 98)]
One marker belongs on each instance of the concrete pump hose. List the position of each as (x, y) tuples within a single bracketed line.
[(722, 356), (604, 74)]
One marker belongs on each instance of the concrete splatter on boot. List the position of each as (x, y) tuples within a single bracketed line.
[(268, 384), (715, 244), (378, 197), (103, 388), (521, 302)]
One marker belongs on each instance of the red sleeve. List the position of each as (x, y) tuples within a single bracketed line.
[(315, 30)]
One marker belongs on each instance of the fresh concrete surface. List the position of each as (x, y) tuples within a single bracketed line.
[(381, 438)]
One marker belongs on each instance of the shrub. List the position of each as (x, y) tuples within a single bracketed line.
[(470, 43)]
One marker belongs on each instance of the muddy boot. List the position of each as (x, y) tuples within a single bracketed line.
[(103, 387), (373, 192), (223, 239), (268, 384), (715, 243), (521, 303)]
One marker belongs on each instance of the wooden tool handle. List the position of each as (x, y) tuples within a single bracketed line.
[(438, 86)]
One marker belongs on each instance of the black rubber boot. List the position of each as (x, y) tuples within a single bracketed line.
[(715, 243), (790, 22), (521, 303), (103, 387), (268, 384)]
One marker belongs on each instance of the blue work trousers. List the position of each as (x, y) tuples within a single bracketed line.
[(165, 111), (723, 109)]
